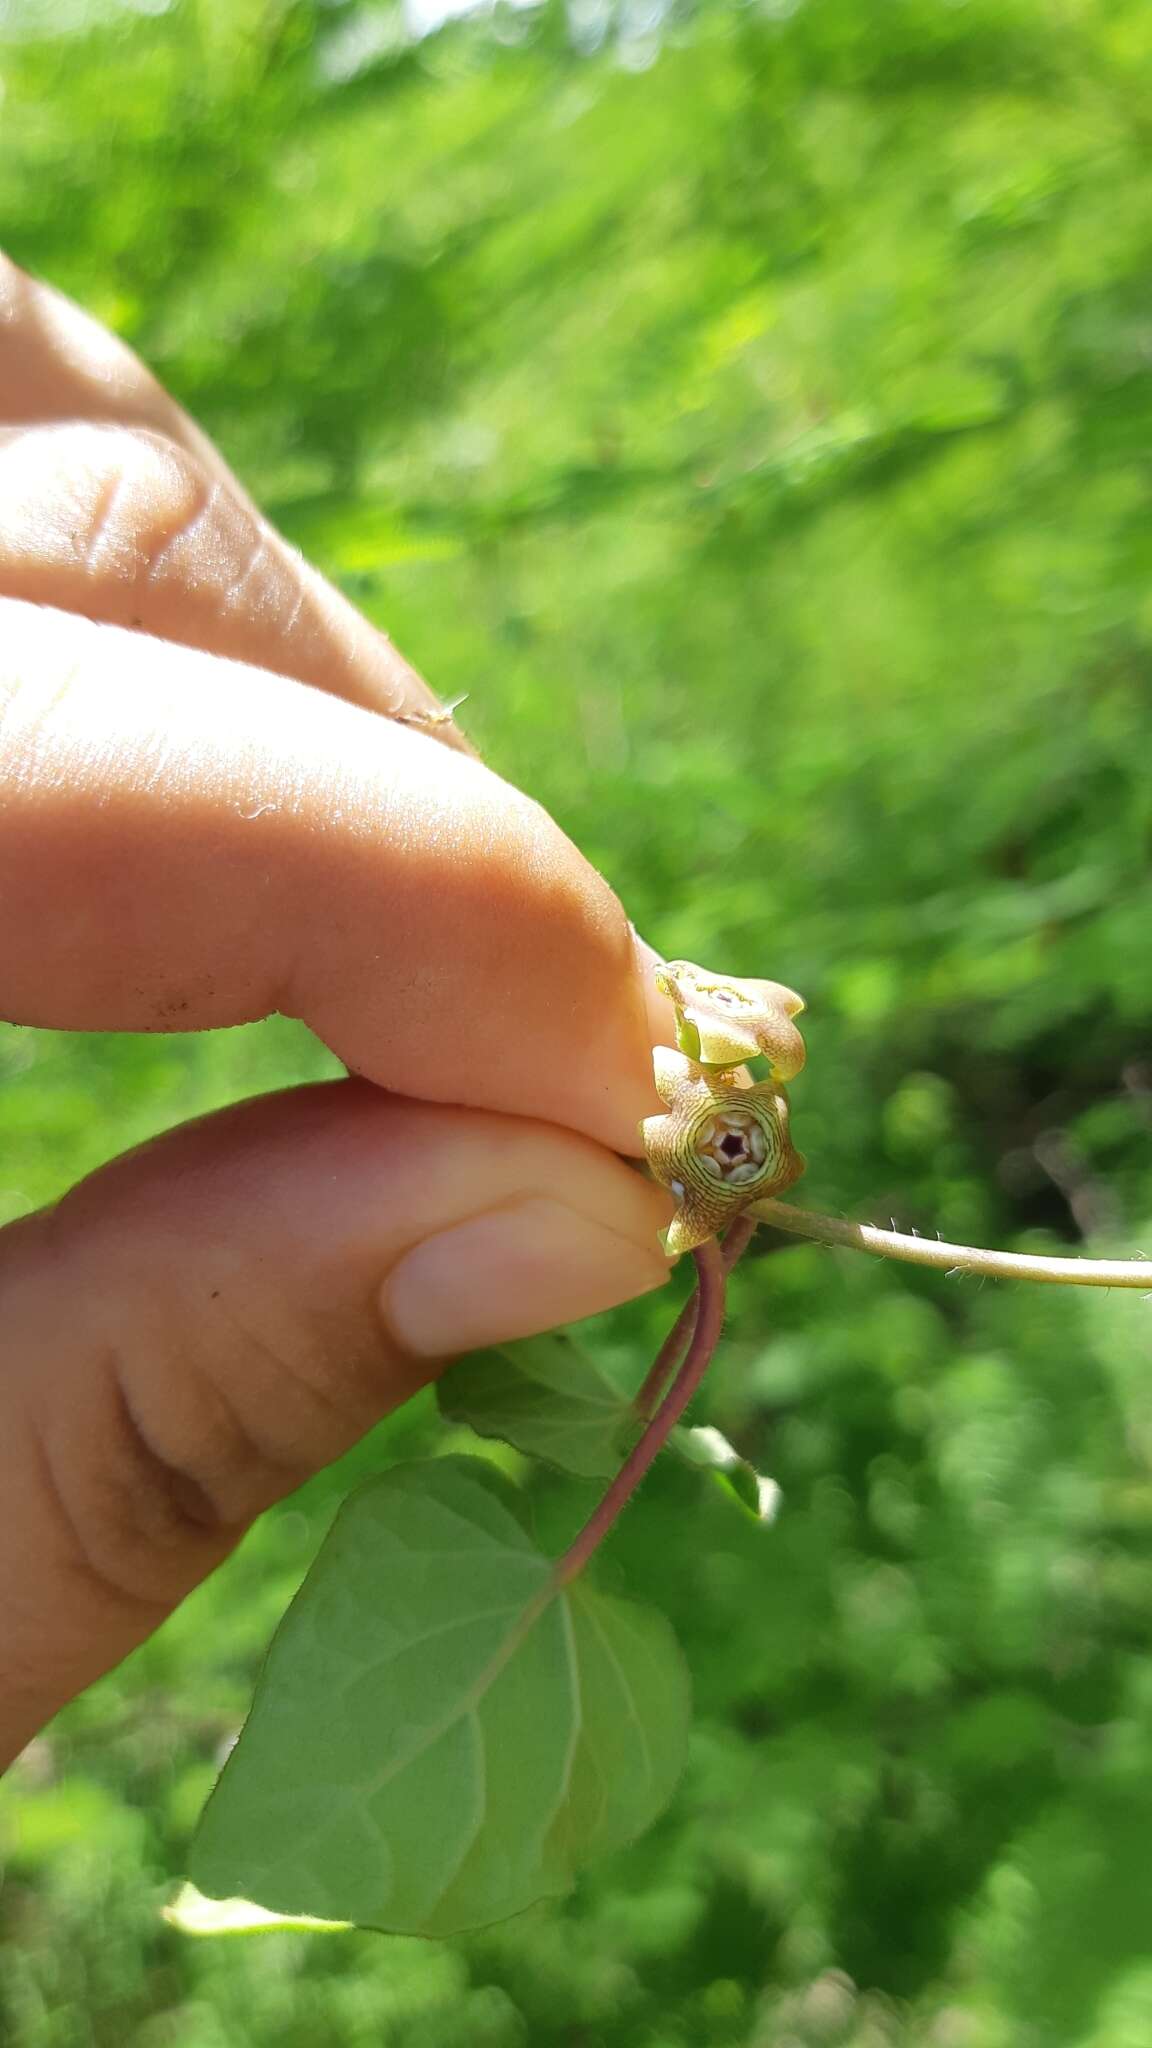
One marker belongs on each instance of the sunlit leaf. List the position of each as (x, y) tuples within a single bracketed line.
[(545, 1396), (430, 1748)]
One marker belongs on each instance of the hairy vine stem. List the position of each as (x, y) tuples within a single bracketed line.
[(736, 1240), (721, 1137), (953, 1258), (708, 1302)]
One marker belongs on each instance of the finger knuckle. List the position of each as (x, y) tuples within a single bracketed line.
[(132, 1524), (112, 501)]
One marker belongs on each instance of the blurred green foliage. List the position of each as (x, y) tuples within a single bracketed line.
[(750, 405)]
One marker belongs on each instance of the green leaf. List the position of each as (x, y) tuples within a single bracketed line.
[(549, 1399), (430, 1750), (711, 1451), (546, 1397)]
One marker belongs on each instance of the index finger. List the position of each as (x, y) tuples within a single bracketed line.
[(114, 504), (188, 842)]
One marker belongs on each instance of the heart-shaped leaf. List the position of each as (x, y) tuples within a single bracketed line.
[(435, 1742), (545, 1396)]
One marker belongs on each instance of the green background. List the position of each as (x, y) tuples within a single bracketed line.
[(750, 406)]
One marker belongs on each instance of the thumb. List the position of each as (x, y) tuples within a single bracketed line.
[(203, 1324)]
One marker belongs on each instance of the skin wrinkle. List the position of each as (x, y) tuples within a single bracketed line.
[(131, 1513), (209, 492), (140, 1479), (175, 551), (81, 1559), (112, 490), (291, 622), (188, 1500), (115, 1491), (216, 1439), (237, 584), (221, 1442), (284, 1367)]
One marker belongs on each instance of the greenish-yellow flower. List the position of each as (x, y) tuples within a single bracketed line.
[(722, 1020), (722, 1143)]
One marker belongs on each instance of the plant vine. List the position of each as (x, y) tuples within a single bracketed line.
[(461, 1754)]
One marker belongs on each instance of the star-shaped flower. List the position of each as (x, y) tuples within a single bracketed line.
[(721, 1020), (723, 1143)]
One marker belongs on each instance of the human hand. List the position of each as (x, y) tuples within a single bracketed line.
[(220, 796)]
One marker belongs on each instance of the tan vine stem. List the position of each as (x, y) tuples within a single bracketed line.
[(954, 1258), (736, 1240), (711, 1274)]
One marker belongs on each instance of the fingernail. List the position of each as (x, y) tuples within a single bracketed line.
[(511, 1273)]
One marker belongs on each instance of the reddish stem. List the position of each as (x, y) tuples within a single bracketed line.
[(737, 1238), (711, 1269)]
